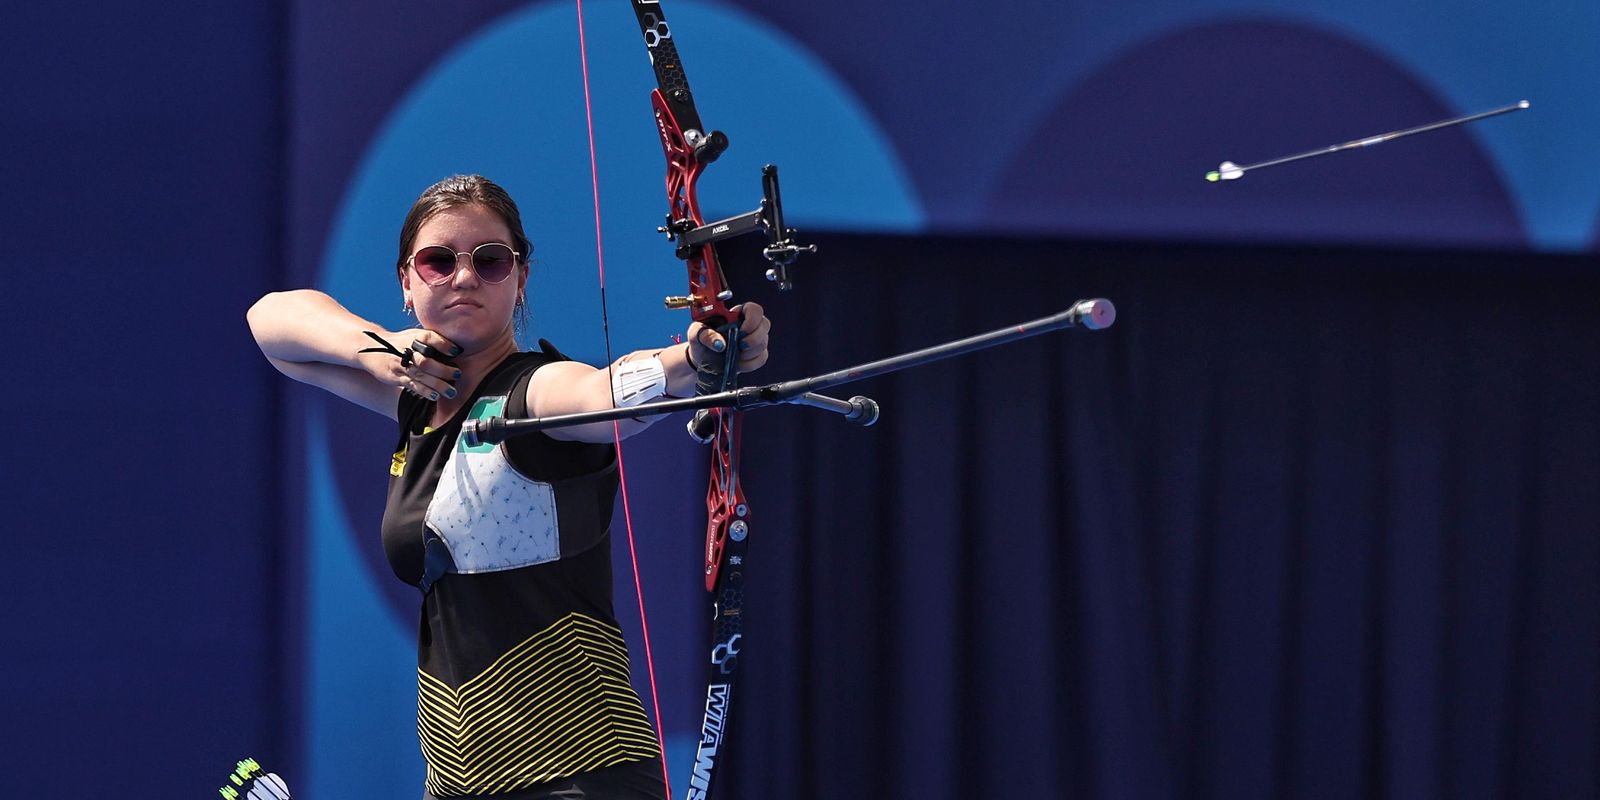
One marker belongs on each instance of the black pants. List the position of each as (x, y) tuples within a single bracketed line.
[(635, 780)]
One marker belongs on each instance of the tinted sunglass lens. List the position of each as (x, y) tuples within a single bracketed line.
[(493, 262), (434, 264)]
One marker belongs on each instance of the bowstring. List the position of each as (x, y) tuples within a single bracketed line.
[(616, 429)]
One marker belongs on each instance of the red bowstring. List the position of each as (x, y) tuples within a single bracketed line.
[(616, 430)]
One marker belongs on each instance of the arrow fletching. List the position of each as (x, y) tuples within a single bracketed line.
[(1226, 171)]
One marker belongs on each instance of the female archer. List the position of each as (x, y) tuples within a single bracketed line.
[(522, 672)]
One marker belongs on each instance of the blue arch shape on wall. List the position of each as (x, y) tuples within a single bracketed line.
[(1445, 190), (1544, 157)]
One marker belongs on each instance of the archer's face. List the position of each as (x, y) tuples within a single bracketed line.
[(465, 309)]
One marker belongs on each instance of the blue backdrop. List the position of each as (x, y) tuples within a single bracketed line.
[(197, 575)]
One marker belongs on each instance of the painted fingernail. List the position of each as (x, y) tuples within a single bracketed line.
[(451, 392), (455, 349), (718, 345), (433, 395), (457, 376)]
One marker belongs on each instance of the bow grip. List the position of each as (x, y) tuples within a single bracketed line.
[(718, 374)]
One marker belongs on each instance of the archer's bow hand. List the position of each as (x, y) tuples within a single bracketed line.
[(707, 345)]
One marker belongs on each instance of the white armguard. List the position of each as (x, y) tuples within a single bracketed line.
[(638, 381)]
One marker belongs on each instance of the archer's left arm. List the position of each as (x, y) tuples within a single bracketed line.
[(570, 387)]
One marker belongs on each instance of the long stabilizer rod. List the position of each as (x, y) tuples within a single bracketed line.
[(1096, 314), (1229, 171)]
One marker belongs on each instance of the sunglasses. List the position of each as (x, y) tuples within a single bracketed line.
[(492, 262)]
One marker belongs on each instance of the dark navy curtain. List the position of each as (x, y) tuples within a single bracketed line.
[(1303, 523)]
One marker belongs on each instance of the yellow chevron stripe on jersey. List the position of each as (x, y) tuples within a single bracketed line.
[(557, 704)]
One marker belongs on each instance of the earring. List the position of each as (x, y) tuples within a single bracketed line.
[(406, 309)]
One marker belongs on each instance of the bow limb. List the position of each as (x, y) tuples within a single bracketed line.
[(688, 148)]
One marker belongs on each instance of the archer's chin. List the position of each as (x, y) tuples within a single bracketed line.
[(473, 334)]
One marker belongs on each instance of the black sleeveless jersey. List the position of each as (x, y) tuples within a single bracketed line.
[(522, 671)]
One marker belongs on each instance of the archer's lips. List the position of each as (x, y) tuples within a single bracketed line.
[(462, 301)]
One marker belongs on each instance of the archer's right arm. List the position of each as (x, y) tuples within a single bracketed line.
[(309, 337)]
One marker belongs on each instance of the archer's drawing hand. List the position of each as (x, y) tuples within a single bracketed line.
[(422, 373)]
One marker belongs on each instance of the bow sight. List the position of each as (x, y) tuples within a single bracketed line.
[(781, 249)]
